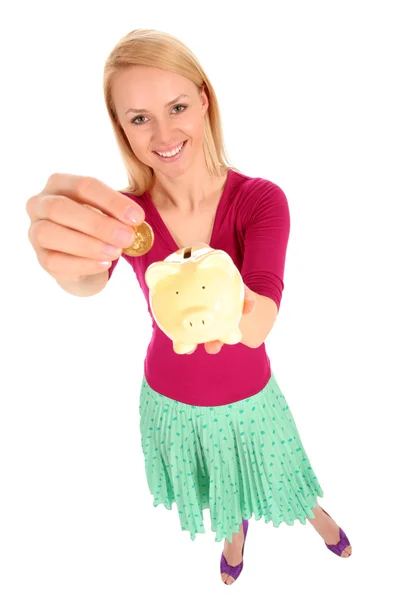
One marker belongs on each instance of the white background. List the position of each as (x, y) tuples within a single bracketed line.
[(309, 101)]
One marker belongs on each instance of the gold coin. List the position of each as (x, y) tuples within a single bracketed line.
[(143, 242)]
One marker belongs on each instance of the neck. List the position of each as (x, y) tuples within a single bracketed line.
[(189, 191)]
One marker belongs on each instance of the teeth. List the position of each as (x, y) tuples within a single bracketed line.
[(172, 153)]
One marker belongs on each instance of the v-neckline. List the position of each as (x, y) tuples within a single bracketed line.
[(217, 215)]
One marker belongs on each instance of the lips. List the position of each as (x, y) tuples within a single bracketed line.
[(170, 152)]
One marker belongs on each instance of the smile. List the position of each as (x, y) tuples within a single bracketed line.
[(172, 152)]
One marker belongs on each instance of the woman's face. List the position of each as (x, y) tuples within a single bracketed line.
[(161, 113)]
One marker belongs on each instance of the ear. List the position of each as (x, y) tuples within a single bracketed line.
[(217, 260), (204, 99), (158, 271)]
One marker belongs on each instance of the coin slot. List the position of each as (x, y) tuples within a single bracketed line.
[(187, 253)]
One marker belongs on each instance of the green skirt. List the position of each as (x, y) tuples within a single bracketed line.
[(237, 460)]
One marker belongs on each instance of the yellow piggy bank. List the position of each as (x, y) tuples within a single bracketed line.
[(196, 296)]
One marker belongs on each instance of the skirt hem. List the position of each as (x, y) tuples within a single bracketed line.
[(276, 524)]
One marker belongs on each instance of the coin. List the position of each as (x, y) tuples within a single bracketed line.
[(143, 242)]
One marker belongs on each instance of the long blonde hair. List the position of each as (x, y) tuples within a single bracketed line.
[(153, 48)]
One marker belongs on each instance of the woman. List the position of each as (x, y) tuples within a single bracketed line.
[(216, 430)]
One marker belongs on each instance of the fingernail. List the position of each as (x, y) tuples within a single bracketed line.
[(132, 214)]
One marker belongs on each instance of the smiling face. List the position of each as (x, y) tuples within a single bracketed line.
[(162, 115)]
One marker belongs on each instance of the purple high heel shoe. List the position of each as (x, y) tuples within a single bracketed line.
[(342, 543), (234, 571)]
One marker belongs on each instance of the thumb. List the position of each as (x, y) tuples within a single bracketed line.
[(250, 300)]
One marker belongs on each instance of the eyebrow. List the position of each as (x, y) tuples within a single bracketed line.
[(140, 110)]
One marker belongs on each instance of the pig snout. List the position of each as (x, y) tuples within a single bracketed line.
[(198, 319)]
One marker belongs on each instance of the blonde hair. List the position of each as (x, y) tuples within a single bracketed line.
[(153, 48)]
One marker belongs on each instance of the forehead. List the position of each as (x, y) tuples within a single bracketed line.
[(138, 87)]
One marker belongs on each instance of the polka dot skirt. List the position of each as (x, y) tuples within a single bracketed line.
[(237, 460)]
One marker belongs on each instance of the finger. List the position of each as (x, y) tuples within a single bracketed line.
[(249, 302), (96, 193), (249, 306), (213, 347), (61, 210), (65, 266), (50, 236)]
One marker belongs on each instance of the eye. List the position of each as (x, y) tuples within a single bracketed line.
[(136, 122), (176, 292), (140, 120), (204, 287), (181, 106)]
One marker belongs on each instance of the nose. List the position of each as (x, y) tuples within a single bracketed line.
[(163, 134), (198, 320)]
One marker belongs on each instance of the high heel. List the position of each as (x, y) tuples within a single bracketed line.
[(342, 543), (234, 571)]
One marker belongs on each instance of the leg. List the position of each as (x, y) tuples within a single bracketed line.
[(233, 553), (327, 529)]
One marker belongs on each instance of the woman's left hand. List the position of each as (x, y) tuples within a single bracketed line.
[(249, 305)]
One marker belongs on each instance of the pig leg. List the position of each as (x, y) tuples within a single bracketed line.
[(233, 337), (181, 348)]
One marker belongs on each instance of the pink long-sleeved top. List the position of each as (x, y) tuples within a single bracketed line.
[(252, 225)]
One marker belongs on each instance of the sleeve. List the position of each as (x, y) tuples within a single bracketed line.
[(265, 243), (113, 265)]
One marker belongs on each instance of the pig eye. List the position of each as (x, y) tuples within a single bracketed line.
[(204, 287), (176, 292)]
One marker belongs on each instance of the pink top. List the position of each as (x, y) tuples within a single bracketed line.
[(252, 225)]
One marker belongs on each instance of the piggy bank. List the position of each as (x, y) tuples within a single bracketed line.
[(196, 296)]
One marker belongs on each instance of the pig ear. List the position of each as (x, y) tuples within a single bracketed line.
[(217, 260), (159, 270)]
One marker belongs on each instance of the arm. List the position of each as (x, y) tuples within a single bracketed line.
[(265, 241)]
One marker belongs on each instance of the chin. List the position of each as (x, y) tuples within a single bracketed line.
[(172, 170)]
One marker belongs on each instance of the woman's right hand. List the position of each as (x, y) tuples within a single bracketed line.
[(68, 233)]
